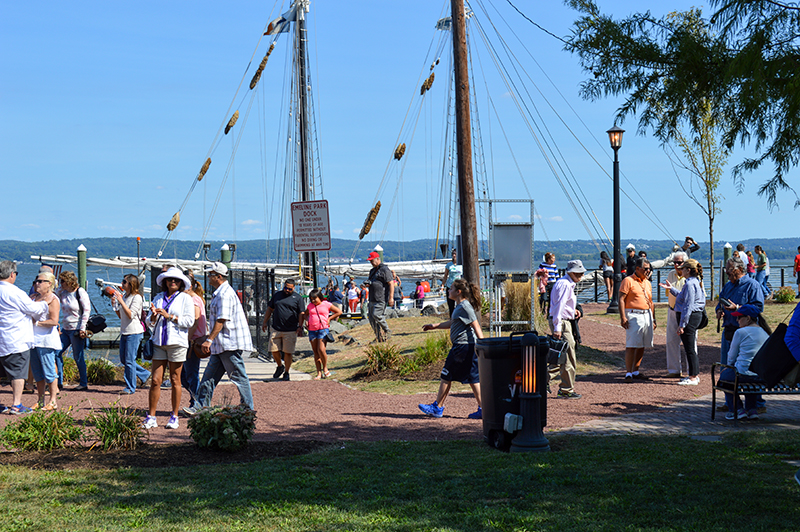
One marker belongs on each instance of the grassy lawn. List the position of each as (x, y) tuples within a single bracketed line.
[(586, 483)]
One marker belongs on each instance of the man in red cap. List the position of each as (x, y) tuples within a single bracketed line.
[(381, 294)]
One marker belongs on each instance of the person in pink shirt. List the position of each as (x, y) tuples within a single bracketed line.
[(318, 314)]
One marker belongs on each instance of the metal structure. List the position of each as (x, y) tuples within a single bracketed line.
[(506, 240)]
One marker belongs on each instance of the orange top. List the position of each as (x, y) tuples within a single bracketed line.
[(426, 286), (636, 292)]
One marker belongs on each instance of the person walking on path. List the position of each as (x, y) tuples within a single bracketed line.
[(286, 310), (47, 342), (129, 309), (462, 361), (381, 296), (563, 313), (319, 313), (761, 270), (171, 316), (17, 314), (636, 317), (229, 338), (689, 304), (190, 376), (75, 311), (452, 272), (675, 280), (797, 271)]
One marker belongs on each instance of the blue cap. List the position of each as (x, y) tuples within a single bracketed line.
[(746, 310)]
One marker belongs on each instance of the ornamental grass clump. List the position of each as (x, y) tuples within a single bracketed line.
[(382, 356), (117, 427), (101, 371), (434, 350), (227, 428), (42, 431), (70, 370)]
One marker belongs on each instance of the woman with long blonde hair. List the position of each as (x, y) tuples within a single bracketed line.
[(46, 341)]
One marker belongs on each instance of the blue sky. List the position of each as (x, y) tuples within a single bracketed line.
[(109, 109)]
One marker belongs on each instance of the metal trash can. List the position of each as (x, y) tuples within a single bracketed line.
[(500, 367)]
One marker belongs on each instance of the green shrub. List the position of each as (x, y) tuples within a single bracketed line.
[(101, 371), (784, 294), (42, 431), (70, 370), (117, 427), (432, 351), (227, 428), (146, 364), (382, 356)]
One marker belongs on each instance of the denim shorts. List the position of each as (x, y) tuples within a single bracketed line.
[(318, 335), (43, 364)]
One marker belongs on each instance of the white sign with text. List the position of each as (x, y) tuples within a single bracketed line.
[(311, 226)]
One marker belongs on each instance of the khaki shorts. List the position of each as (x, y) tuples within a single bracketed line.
[(640, 329), (283, 341), (170, 353)]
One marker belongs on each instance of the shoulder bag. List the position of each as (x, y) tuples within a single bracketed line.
[(774, 360), (97, 322)]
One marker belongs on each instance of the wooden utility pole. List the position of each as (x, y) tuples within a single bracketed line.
[(466, 191)]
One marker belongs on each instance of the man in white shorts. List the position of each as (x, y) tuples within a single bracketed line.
[(637, 317)]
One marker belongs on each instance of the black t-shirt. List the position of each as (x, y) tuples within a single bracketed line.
[(379, 278), (285, 311)]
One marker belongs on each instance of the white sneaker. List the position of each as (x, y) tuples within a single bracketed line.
[(173, 422), (689, 381), (149, 423)]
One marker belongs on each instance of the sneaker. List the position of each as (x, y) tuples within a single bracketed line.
[(722, 408), (741, 415), (127, 392), (166, 384), (80, 389), (173, 422), (640, 377), (18, 410), (762, 409), (628, 378), (189, 411), (278, 372), (752, 414), (674, 375), (476, 415), (567, 395), (689, 382), (286, 376), (149, 423), (432, 409)]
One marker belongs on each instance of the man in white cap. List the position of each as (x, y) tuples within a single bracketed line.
[(228, 338), (381, 295), (630, 259), (563, 313)]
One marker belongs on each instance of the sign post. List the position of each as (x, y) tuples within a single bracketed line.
[(311, 230)]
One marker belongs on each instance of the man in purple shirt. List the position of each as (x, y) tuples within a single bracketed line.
[(563, 314)]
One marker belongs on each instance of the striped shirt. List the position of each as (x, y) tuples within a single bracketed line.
[(235, 334), (552, 272)]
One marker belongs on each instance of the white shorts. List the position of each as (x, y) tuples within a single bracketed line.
[(170, 353), (640, 328)]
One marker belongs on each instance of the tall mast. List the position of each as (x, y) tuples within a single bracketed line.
[(306, 192), (466, 191)]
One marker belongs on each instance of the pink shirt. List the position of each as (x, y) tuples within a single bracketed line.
[(318, 316), (201, 329)]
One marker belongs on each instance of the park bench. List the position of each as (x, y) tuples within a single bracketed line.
[(744, 388)]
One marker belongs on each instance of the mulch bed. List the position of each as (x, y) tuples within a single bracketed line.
[(300, 417)]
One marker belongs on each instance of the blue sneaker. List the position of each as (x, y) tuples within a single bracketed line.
[(20, 410), (476, 415), (432, 409)]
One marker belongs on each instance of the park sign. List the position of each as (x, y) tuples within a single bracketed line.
[(311, 228)]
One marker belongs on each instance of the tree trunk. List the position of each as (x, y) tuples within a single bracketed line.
[(711, 253)]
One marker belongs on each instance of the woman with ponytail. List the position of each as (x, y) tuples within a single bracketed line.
[(689, 305), (462, 362)]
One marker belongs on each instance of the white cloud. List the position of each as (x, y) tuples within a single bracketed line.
[(357, 231), (31, 226), (337, 231), (515, 217), (251, 222), (556, 219)]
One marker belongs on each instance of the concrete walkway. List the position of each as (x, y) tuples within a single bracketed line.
[(693, 417)]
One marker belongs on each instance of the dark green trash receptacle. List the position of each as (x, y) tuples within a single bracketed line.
[(500, 366)]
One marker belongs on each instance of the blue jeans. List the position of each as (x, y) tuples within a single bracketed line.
[(232, 363), (750, 400), (761, 279), (128, 346), (190, 377), (72, 338)]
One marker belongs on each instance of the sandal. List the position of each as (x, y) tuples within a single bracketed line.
[(50, 407), (327, 374), (318, 377)]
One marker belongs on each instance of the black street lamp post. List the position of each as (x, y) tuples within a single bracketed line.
[(615, 136)]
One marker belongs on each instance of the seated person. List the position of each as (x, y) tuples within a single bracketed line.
[(753, 331)]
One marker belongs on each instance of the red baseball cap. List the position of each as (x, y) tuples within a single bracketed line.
[(373, 255)]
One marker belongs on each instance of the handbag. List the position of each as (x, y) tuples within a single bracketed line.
[(703, 320), (97, 322), (774, 360), (197, 347), (328, 339)]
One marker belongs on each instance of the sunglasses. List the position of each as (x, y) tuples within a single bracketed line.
[(173, 280), (678, 262), (37, 281)]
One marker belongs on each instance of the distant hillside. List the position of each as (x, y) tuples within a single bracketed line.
[(342, 250)]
